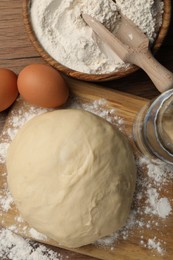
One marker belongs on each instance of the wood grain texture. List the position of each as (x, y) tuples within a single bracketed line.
[(16, 51), (93, 77)]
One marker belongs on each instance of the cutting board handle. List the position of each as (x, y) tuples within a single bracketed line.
[(161, 77)]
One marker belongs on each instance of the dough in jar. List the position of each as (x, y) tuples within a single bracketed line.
[(72, 176)]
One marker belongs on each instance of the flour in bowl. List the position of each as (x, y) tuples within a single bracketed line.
[(63, 33)]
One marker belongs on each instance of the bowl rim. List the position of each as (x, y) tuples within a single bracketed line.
[(121, 73)]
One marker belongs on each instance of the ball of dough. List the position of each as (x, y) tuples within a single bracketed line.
[(72, 176)]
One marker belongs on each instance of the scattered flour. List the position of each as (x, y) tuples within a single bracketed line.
[(3, 151), (157, 206), (158, 171), (16, 248), (148, 209), (154, 244), (6, 201), (163, 207), (63, 33)]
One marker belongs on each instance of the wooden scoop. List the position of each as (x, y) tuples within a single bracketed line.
[(132, 46)]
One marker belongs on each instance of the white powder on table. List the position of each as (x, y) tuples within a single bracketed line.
[(6, 201), (157, 206), (63, 33), (16, 248), (154, 244), (3, 151), (149, 189)]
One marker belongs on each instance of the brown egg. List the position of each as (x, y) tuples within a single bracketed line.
[(43, 86), (8, 88)]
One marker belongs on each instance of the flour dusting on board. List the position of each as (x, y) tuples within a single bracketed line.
[(15, 247), (149, 207)]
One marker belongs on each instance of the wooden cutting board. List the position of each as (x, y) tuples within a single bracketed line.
[(126, 106)]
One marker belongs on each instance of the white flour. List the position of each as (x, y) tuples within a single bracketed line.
[(66, 37), (16, 248)]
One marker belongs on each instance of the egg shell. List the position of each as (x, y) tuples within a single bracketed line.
[(41, 85), (8, 88)]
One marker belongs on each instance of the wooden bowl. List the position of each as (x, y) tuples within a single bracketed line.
[(93, 77)]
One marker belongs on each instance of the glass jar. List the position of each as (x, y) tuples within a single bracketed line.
[(153, 128)]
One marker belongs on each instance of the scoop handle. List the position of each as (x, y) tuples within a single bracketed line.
[(161, 77)]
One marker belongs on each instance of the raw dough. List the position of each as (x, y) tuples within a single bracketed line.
[(72, 176)]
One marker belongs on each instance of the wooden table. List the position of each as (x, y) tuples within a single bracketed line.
[(16, 52)]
